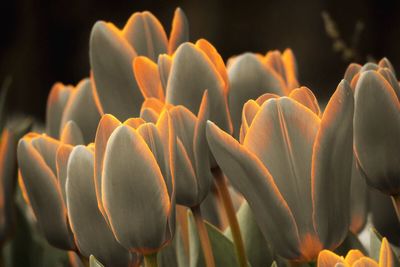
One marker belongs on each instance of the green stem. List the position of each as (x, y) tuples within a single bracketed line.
[(203, 236), (396, 204), (150, 260), (231, 214)]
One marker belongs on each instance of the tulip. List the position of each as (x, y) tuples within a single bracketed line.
[(67, 103), (251, 75), (137, 183), (182, 78), (358, 200), (91, 231), (112, 52), (294, 170), (377, 131), (356, 258), (42, 189)]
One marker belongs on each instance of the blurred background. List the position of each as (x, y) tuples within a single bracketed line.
[(47, 41)]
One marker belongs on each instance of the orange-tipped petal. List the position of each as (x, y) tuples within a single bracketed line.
[(331, 168), (131, 181), (62, 157), (179, 30), (192, 72), (107, 125), (134, 122), (91, 232), (41, 188), (149, 115), (146, 35), (359, 207), (153, 103), (248, 80), (353, 255), (164, 63), (327, 258), (306, 97), (249, 176), (351, 72), (385, 63), (282, 136), (148, 78), (273, 60), (263, 98), (250, 109), (387, 258), (111, 62), (58, 97), (72, 134), (389, 76), (290, 64), (215, 58), (365, 262), (377, 131)]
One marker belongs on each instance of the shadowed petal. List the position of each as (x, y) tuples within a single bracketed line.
[(82, 109), (164, 63), (351, 71), (192, 72), (250, 109), (107, 125), (72, 134), (282, 136), (385, 63), (62, 157), (179, 30), (40, 186), (248, 80), (134, 193), (331, 168), (377, 131), (92, 234), (58, 97), (389, 76), (358, 200), (202, 151), (146, 35), (147, 77), (111, 62), (306, 97), (47, 148), (248, 175)]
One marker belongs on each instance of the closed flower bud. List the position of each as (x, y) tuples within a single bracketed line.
[(294, 169)]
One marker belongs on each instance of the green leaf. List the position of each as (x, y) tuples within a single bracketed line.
[(222, 247), (93, 262), (173, 254), (257, 249), (351, 242)]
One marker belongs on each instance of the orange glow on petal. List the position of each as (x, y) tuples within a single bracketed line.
[(306, 97), (215, 58), (154, 104), (134, 122), (366, 262), (262, 98), (327, 258), (353, 255), (289, 61), (148, 78), (95, 95), (310, 246)]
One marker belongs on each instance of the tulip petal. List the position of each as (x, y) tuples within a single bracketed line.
[(147, 77), (389, 76), (353, 255), (215, 58), (289, 61), (248, 175), (327, 258), (386, 256), (41, 188), (179, 30), (164, 63), (134, 122), (250, 109), (192, 72), (134, 193), (202, 151), (282, 136), (306, 97), (331, 168), (273, 60), (185, 180), (92, 234), (365, 262), (82, 109), (149, 115), (248, 80), (72, 134), (369, 66), (351, 72), (62, 157), (107, 125), (377, 131), (111, 62), (58, 97), (47, 148), (146, 35), (358, 200), (263, 98), (385, 63)]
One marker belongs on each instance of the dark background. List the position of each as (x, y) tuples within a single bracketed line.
[(47, 41)]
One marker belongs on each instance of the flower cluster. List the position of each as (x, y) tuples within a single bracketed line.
[(163, 134)]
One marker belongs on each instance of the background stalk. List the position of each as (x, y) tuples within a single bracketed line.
[(231, 215), (396, 204), (203, 235)]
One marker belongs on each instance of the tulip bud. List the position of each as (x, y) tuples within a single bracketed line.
[(294, 170)]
